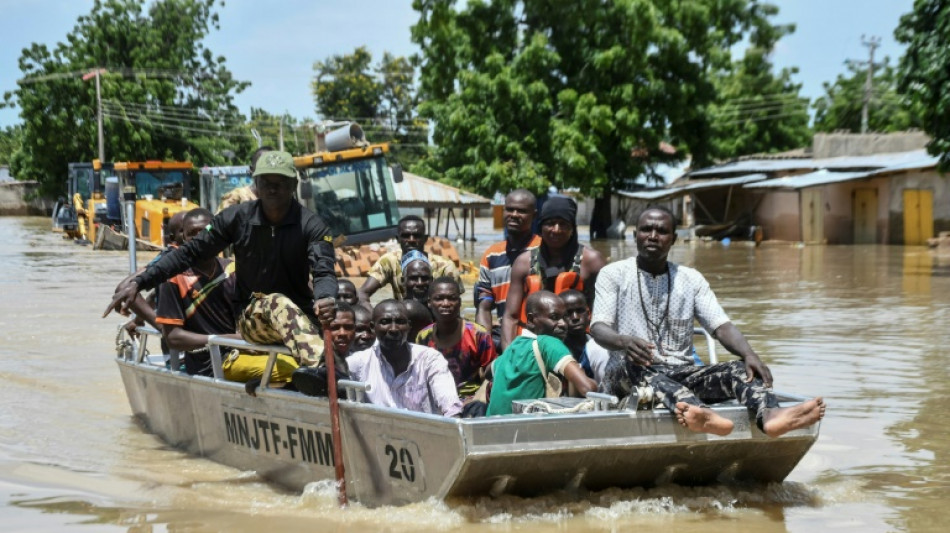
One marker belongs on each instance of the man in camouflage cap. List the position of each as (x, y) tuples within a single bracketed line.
[(278, 245)]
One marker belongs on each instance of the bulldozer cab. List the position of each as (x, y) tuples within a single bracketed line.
[(350, 185), (218, 181), (162, 188)]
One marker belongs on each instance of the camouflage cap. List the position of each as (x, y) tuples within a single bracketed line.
[(280, 163)]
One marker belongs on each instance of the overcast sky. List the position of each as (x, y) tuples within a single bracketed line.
[(274, 44)]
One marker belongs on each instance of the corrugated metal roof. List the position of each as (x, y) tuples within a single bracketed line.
[(918, 159), (875, 161), (821, 177), (416, 191), (692, 187)]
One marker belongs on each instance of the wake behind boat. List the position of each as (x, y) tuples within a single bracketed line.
[(395, 456)]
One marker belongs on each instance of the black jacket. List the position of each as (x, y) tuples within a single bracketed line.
[(268, 259)]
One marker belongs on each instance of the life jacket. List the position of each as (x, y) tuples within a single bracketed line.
[(534, 281)]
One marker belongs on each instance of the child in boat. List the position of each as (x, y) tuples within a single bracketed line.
[(518, 375)]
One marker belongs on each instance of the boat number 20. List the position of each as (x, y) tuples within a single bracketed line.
[(401, 463)]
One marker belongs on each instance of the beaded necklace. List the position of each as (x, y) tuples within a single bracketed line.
[(658, 325)]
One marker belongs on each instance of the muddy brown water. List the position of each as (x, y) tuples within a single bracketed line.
[(867, 327)]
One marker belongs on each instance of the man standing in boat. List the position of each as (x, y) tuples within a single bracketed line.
[(558, 264), (278, 245), (494, 270), (644, 312)]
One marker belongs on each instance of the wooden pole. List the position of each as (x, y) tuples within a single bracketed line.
[(335, 417)]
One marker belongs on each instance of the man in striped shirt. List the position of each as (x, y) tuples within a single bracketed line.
[(494, 272)]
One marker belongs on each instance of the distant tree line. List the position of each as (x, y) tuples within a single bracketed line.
[(503, 94)]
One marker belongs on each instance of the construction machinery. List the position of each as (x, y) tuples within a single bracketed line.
[(93, 203)]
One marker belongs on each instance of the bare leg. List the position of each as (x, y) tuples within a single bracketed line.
[(781, 420), (702, 419)]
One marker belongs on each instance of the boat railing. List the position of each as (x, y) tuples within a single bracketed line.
[(710, 344), (356, 390)]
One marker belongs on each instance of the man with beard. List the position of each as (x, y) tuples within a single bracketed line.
[(517, 372), (644, 313), (402, 374)]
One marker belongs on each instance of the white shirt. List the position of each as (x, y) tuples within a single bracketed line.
[(426, 386), (624, 292)]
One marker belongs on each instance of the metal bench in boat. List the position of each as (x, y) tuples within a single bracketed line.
[(395, 456)]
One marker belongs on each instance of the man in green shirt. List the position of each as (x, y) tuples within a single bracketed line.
[(517, 375)]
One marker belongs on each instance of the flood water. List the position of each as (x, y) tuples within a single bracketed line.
[(867, 327)]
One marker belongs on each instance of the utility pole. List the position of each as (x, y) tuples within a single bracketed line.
[(280, 140), (102, 144), (872, 44)]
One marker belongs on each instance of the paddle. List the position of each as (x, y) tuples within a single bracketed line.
[(334, 417)]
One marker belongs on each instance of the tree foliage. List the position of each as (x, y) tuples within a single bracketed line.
[(382, 98), (581, 94), (840, 107), (757, 111), (923, 75), (11, 138), (165, 96)]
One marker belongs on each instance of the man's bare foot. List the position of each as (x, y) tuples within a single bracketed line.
[(702, 419), (779, 421)]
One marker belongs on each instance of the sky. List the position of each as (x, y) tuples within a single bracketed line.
[(274, 45)]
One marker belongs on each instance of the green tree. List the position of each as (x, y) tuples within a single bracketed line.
[(840, 107), (579, 94), (165, 96), (346, 88), (11, 138), (923, 75), (381, 98), (757, 111)]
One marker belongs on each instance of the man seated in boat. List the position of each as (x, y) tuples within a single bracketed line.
[(466, 346), (346, 292), (312, 381), (144, 308), (278, 245), (364, 336), (591, 356), (518, 372), (197, 302), (558, 264), (644, 314), (403, 374), (411, 235), (416, 276)]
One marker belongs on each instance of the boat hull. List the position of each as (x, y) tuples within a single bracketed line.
[(395, 456)]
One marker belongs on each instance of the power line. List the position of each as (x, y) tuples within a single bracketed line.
[(759, 119)]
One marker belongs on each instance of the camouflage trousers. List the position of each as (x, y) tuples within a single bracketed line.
[(695, 385), (275, 319)]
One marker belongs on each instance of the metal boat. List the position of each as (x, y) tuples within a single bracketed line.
[(394, 456)]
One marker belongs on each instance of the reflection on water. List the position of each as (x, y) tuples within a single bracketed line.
[(864, 326)]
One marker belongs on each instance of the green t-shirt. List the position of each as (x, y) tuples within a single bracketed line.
[(517, 376)]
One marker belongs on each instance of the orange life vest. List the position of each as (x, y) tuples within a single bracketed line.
[(569, 279)]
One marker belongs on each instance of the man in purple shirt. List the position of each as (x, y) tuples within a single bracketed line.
[(402, 374)]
